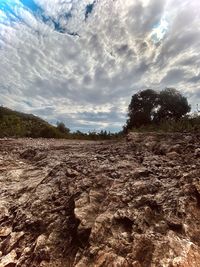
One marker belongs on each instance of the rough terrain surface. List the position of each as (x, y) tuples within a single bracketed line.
[(133, 202)]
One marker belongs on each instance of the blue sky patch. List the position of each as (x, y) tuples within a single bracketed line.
[(89, 8), (30, 4), (9, 8)]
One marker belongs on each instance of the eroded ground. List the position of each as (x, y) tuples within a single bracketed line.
[(127, 203)]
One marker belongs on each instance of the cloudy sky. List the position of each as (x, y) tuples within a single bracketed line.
[(80, 61)]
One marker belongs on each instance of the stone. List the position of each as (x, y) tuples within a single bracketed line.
[(71, 173), (9, 243), (40, 242), (10, 260), (5, 231), (4, 213)]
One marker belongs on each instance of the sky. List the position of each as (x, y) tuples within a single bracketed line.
[(80, 61)]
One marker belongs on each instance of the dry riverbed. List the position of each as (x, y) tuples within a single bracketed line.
[(133, 202)]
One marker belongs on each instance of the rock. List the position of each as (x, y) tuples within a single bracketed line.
[(86, 208), (4, 213), (71, 173), (5, 231), (41, 250), (40, 242), (10, 260), (9, 243), (187, 254)]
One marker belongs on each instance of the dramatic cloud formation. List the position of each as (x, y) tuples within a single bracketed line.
[(79, 61)]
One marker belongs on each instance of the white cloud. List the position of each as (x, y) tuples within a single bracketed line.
[(47, 69)]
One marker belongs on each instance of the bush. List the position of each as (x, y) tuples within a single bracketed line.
[(185, 124)]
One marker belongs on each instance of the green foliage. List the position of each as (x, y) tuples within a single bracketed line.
[(17, 124), (141, 108), (62, 128), (95, 136), (11, 125), (184, 124), (172, 105), (149, 107)]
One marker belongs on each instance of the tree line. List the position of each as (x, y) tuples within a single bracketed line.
[(91, 135), (149, 110)]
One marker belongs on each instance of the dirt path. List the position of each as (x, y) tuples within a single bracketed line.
[(81, 203)]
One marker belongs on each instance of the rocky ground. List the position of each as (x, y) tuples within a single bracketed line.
[(134, 202)]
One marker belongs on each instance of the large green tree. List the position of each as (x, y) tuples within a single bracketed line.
[(172, 105), (141, 108), (149, 106)]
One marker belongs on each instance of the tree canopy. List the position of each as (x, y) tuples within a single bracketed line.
[(149, 106), (62, 128)]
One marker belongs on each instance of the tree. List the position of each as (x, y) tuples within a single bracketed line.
[(173, 105), (62, 128), (149, 106), (142, 108)]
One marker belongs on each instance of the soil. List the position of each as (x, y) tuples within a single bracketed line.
[(133, 202)]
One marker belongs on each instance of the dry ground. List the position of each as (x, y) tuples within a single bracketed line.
[(81, 203)]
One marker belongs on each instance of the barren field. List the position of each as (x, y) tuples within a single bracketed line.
[(132, 202)]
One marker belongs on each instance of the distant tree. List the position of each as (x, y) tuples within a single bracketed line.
[(103, 134), (142, 108), (149, 106), (62, 128)]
